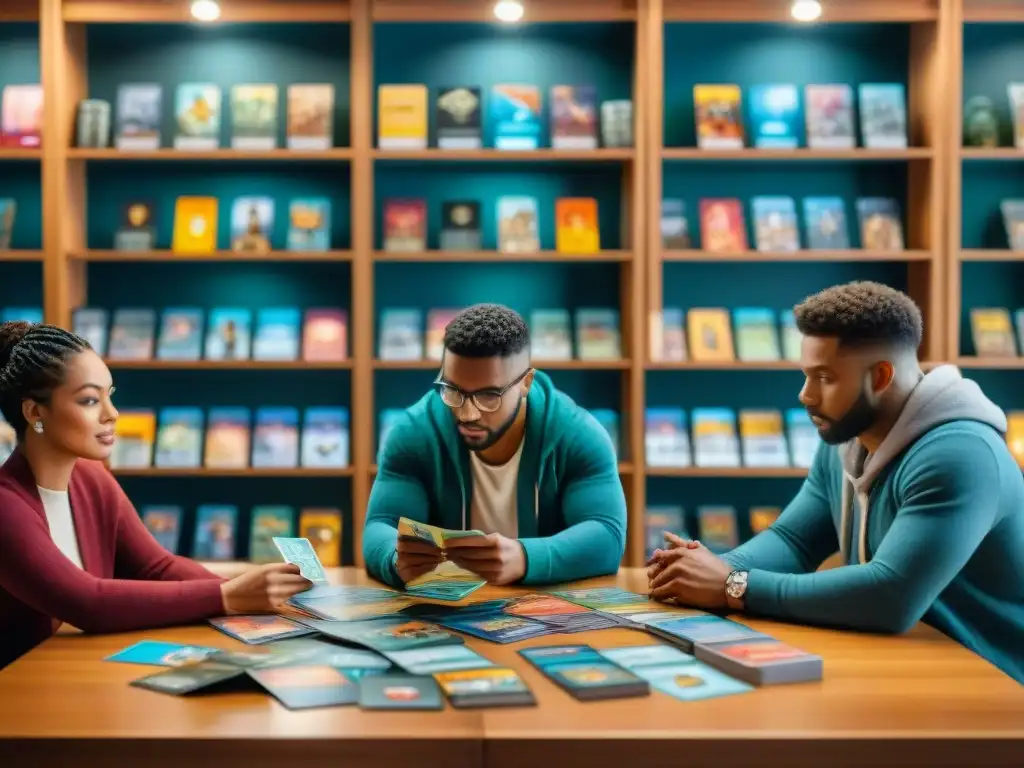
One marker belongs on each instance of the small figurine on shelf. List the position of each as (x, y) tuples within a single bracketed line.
[(981, 124)]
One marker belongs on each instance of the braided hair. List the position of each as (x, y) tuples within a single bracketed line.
[(33, 362)]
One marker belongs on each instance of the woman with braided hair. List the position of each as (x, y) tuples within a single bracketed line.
[(72, 547)]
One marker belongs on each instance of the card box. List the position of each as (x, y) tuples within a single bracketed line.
[(393, 691), (584, 674), (689, 631), (762, 661), (491, 687)]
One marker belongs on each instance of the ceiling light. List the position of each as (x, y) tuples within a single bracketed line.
[(205, 10), (806, 10), (509, 11)]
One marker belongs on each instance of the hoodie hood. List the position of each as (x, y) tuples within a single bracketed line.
[(942, 395)]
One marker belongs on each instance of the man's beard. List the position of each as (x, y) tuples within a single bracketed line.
[(493, 435), (857, 420)]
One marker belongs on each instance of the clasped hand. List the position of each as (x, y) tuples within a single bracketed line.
[(495, 558), (689, 573)]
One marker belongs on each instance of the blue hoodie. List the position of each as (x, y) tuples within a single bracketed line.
[(571, 507), (931, 527)]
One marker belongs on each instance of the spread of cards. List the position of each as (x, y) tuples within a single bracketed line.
[(379, 648)]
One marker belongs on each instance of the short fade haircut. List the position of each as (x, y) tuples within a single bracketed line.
[(862, 313), (487, 330)]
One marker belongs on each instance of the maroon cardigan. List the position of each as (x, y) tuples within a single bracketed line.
[(127, 581)]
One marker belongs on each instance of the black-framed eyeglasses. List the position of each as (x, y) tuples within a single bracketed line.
[(486, 400)]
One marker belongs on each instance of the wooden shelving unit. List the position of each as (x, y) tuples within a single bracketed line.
[(551, 365), (962, 14), (218, 256), (340, 154), (547, 257), (21, 256), (727, 472), (227, 365), (804, 255), (508, 156), (240, 473), (789, 155), (934, 161)]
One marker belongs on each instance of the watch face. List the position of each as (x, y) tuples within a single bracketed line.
[(736, 585)]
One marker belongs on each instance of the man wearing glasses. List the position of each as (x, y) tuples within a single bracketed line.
[(496, 448)]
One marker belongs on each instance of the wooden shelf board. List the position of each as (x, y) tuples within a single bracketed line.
[(991, 153), (217, 256), (802, 255), (726, 472), (993, 11), (506, 155), (228, 365), (778, 10), (504, 258), (20, 153), (477, 10), (21, 255), (726, 365), (170, 11), (992, 363), (206, 472), (1005, 254), (19, 10), (740, 365), (625, 468), (338, 154), (752, 153), (551, 365)]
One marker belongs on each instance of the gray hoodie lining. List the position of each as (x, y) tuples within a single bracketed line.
[(941, 396)]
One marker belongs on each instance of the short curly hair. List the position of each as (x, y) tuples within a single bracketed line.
[(486, 330), (861, 313)]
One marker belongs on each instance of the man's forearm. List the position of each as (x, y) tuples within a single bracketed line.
[(379, 542), (862, 597), (582, 551)]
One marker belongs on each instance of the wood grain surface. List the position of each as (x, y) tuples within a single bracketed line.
[(917, 699)]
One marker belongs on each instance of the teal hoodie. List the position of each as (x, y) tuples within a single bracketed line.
[(571, 506), (931, 527)]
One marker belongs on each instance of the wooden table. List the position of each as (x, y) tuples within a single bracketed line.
[(916, 700)]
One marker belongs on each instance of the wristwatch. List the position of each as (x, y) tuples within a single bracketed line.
[(736, 587)]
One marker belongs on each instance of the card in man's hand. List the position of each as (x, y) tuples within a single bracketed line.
[(411, 530), (301, 553)]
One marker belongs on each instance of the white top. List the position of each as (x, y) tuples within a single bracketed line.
[(493, 509), (57, 506)]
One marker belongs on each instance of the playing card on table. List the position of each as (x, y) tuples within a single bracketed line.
[(560, 614), (488, 687), (262, 628), (499, 628), (308, 686), (301, 553), (398, 691), (163, 654), (387, 634), (179, 681), (445, 658)]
